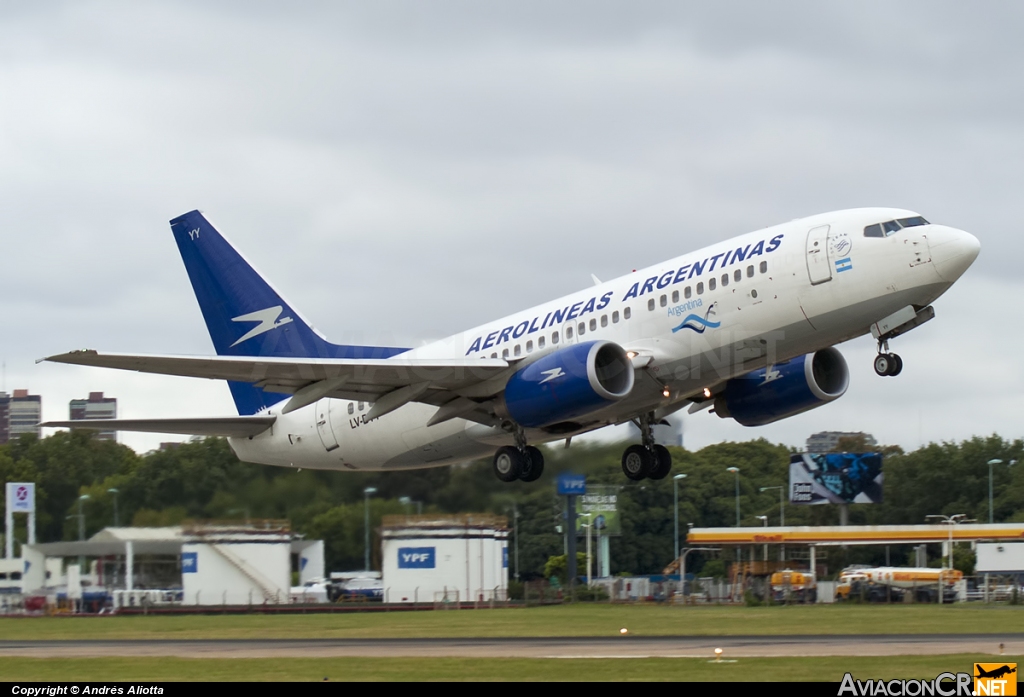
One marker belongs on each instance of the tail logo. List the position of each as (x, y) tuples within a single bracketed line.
[(697, 323), (268, 319)]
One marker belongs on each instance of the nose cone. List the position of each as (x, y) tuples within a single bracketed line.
[(953, 251)]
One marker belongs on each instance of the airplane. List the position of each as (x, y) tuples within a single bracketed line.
[(745, 327)]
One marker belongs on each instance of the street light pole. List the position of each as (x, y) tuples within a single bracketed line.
[(949, 520), (114, 492), (764, 519), (995, 461), (782, 516), (588, 525), (675, 509), (736, 471), (366, 524), (81, 530)]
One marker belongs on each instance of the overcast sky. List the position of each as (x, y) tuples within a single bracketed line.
[(405, 170)]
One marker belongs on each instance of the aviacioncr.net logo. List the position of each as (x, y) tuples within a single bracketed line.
[(943, 685)]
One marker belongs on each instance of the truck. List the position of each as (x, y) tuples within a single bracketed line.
[(794, 586), (881, 584)]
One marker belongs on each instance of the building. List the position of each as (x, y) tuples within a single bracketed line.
[(24, 412), (5, 408), (95, 407), (445, 559), (826, 441), (226, 563)]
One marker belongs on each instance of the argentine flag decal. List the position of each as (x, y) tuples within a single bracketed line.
[(843, 264)]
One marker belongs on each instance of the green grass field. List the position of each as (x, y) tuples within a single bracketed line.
[(561, 620), (829, 669), (565, 620)]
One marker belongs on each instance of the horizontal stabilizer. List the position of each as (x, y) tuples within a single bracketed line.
[(235, 426)]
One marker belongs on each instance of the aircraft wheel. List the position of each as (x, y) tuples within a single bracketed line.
[(534, 465), (508, 463), (662, 462), (884, 364), (898, 368), (637, 462)]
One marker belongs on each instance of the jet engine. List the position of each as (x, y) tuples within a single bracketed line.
[(784, 389), (568, 383)]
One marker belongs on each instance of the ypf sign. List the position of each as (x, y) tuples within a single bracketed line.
[(21, 497)]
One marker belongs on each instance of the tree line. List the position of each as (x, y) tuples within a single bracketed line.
[(203, 480)]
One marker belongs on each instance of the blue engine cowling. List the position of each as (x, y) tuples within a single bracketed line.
[(571, 382), (793, 387)]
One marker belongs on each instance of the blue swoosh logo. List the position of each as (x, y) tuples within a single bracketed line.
[(697, 324)]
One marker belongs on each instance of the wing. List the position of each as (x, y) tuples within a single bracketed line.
[(234, 426), (460, 386)]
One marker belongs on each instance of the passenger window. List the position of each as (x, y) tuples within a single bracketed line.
[(627, 313), (593, 324), (494, 355), (750, 271), (687, 292), (554, 337), (504, 353), (650, 304), (604, 320), (725, 280), (361, 405), (764, 267), (700, 288), (517, 350), (874, 230), (540, 342), (675, 296), (615, 317), (582, 328), (351, 408), (712, 284), (663, 301), (737, 275), (529, 346), (568, 332)]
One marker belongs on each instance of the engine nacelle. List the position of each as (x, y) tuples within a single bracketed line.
[(571, 382), (792, 387)]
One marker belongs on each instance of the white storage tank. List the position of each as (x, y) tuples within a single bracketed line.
[(456, 558), (236, 565)]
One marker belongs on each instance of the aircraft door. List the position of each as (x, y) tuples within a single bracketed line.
[(818, 264), (322, 414)]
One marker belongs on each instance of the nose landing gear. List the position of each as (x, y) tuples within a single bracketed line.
[(887, 364)]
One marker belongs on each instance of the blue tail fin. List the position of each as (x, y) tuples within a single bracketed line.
[(244, 314)]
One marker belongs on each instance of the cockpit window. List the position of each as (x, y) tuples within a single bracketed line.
[(912, 222), (891, 227)]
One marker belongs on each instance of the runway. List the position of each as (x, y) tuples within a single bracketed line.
[(532, 647)]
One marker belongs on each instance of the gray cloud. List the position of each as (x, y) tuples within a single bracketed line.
[(403, 171)]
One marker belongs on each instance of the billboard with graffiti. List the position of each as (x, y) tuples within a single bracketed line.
[(835, 478)]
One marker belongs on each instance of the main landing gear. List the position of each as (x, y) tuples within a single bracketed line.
[(520, 461), (646, 460), (887, 364)]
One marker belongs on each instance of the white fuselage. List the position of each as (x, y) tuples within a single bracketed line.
[(693, 322)]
